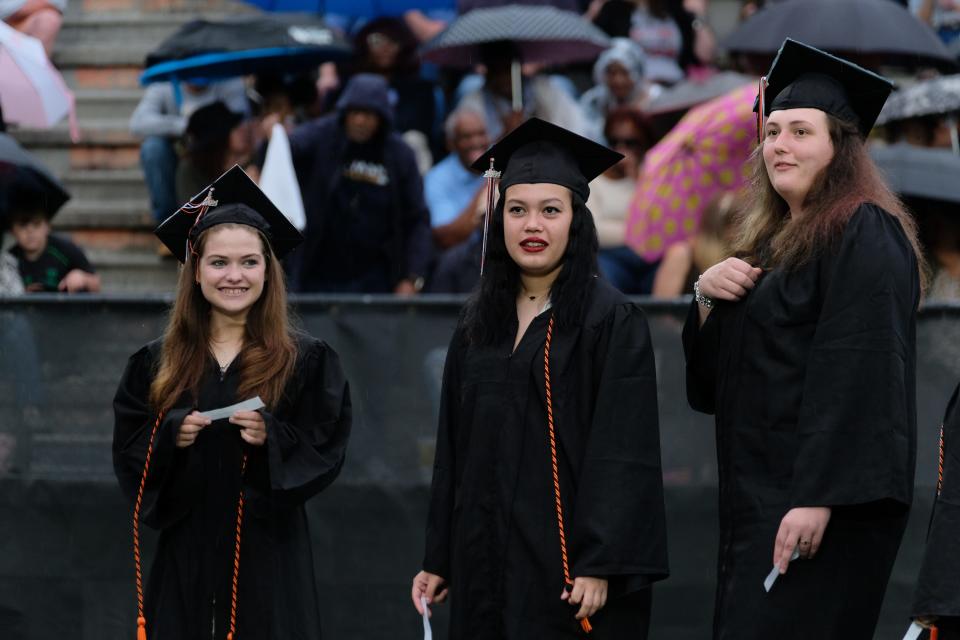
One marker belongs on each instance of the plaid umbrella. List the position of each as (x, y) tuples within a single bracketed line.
[(538, 34), (703, 155), (937, 96), (851, 27)]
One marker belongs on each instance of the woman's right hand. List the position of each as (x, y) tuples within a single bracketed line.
[(729, 280), (191, 427), (426, 584)]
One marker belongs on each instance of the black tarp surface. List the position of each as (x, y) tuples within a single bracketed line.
[(65, 547)]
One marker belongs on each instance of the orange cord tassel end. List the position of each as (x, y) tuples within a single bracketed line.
[(934, 633), (585, 625), (141, 628)]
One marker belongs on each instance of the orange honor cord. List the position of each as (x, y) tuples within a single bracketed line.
[(940, 465), (236, 557), (568, 583), (934, 632), (141, 620)]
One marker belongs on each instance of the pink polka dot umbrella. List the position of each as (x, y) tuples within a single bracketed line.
[(704, 154)]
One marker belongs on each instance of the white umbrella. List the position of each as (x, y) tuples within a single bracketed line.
[(32, 91)]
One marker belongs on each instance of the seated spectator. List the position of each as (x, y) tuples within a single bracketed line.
[(674, 35), (215, 140), (942, 15), (161, 121), (454, 193), (683, 262), (627, 132), (368, 227), (387, 47), (931, 131), (542, 97), (40, 19), (10, 282), (46, 262), (618, 74)]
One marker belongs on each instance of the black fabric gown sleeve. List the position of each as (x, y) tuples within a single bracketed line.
[(857, 424), (701, 349), (167, 493), (938, 586), (618, 526), (440, 515), (306, 451)]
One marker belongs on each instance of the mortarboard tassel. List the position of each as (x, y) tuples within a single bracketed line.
[(761, 107), (568, 583), (491, 175)]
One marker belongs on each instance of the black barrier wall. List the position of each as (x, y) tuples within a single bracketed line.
[(65, 546)]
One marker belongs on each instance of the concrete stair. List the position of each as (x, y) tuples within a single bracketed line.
[(100, 52)]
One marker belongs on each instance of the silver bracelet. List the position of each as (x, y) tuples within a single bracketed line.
[(701, 299)]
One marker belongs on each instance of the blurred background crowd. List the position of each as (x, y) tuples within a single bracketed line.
[(362, 121)]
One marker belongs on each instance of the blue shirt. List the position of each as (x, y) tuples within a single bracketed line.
[(448, 189)]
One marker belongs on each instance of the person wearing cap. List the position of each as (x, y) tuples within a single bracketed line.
[(368, 227), (803, 347), (227, 493), (546, 511)]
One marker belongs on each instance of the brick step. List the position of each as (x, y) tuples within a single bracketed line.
[(132, 215), (128, 272), (118, 184), (100, 7), (106, 104), (103, 78), (104, 144)]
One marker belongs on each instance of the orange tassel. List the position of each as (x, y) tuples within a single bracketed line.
[(934, 632), (141, 628), (586, 626), (230, 636)]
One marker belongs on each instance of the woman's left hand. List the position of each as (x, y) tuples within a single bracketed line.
[(589, 593), (253, 429), (801, 529)]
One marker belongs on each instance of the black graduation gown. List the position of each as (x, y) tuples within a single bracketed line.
[(492, 527), (938, 586), (812, 380), (191, 498)]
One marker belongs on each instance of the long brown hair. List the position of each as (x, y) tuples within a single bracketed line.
[(769, 237), (269, 350)]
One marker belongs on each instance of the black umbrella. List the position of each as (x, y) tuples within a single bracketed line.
[(532, 33), (18, 166), (920, 172), (938, 96), (852, 28), (537, 33), (244, 45)]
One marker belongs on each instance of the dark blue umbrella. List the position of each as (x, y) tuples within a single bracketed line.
[(356, 8), (208, 50)]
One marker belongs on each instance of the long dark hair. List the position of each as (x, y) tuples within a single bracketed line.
[(491, 310), (767, 234)]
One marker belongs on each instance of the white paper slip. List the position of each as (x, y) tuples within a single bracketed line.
[(913, 632), (772, 577), (247, 405), (427, 631)]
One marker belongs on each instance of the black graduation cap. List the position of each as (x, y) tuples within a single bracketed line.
[(233, 197), (538, 151), (806, 77)]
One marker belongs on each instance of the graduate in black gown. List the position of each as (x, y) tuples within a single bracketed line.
[(936, 602), (803, 347), (227, 495), (493, 532)]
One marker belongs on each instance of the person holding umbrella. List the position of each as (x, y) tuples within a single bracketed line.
[(225, 483), (803, 347), (546, 510)]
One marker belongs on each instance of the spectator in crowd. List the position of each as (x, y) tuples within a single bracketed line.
[(683, 261), (627, 132), (940, 235), (454, 192), (387, 47), (942, 15), (618, 74), (10, 282), (368, 227), (46, 262), (925, 131), (38, 18), (216, 139), (160, 121), (542, 96), (674, 35)]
